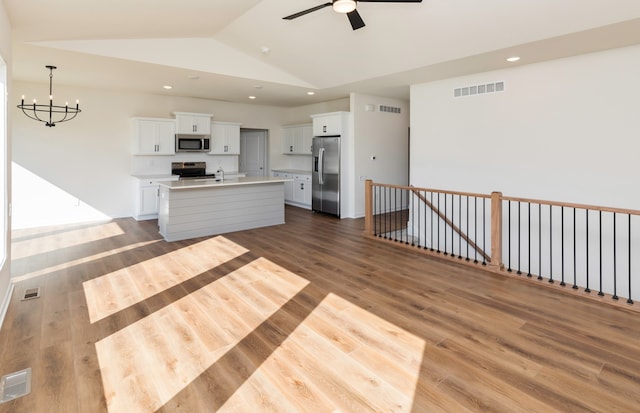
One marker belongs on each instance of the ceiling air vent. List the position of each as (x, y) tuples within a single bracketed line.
[(482, 89), (389, 109)]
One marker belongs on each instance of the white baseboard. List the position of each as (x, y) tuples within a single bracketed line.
[(5, 303)]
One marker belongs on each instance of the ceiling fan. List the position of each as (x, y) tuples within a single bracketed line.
[(347, 7)]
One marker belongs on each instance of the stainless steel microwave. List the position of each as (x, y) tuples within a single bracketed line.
[(192, 143)]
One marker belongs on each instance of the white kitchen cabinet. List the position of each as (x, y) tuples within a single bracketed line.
[(302, 191), (288, 186), (328, 124), (307, 140), (297, 139), (297, 192), (225, 138), (154, 136), (148, 200), (146, 192), (193, 123), (287, 140)]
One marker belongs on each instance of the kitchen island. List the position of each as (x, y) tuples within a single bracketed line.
[(197, 208)]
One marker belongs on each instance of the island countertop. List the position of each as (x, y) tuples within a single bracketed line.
[(212, 183), (205, 207)]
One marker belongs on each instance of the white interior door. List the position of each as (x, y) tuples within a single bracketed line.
[(253, 152)]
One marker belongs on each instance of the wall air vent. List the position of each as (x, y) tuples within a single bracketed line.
[(478, 89), (389, 109)]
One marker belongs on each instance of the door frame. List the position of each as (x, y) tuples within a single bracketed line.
[(265, 154)]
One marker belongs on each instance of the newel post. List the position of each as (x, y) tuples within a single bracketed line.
[(368, 207), (496, 230)]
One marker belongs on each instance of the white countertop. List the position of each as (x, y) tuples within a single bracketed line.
[(293, 171), (156, 177), (213, 183)]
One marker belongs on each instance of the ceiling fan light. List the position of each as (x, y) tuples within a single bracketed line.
[(344, 6)]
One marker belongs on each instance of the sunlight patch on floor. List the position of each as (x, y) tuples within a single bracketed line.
[(72, 238), (82, 260), (147, 363), (340, 358), (113, 292)]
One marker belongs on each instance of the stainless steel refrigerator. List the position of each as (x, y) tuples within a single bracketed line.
[(325, 170)]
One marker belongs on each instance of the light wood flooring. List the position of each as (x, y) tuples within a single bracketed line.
[(309, 316)]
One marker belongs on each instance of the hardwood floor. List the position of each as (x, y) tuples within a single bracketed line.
[(309, 316)]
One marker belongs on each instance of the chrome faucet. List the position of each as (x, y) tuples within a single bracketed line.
[(221, 172)]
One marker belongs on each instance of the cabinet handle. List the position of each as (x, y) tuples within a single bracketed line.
[(302, 186), (291, 148), (226, 148), (324, 128)]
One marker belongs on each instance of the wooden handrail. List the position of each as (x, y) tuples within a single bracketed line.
[(450, 223), (442, 191), (572, 205), (498, 219)]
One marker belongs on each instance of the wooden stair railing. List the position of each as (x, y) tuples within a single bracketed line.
[(450, 223), (603, 265)]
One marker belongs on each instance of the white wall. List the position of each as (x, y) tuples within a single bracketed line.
[(5, 185), (383, 135), (564, 130)]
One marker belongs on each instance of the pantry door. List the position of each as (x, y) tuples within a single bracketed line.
[(253, 152)]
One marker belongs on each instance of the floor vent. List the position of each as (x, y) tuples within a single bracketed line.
[(31, 293), (15, 385)]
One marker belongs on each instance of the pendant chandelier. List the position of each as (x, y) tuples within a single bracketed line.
[(49, 113)]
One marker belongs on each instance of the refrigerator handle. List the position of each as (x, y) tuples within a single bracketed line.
[(321, 166)]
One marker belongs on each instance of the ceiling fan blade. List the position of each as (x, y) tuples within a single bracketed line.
[(302, 13), (355, 20), (389, 1)]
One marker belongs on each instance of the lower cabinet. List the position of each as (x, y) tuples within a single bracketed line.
[(148, 200), (302, 190), (147, 196), (297, 192)]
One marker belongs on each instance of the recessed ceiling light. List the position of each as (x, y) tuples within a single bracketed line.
[(167, 87), (311, 93), (252, 97), (513, 59)]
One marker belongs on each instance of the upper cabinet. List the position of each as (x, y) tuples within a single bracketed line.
[(297, 139), (327, 124), (225, 138), (193, 123), (154, 136)]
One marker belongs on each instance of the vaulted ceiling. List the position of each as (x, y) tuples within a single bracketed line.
[(231, 49)]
